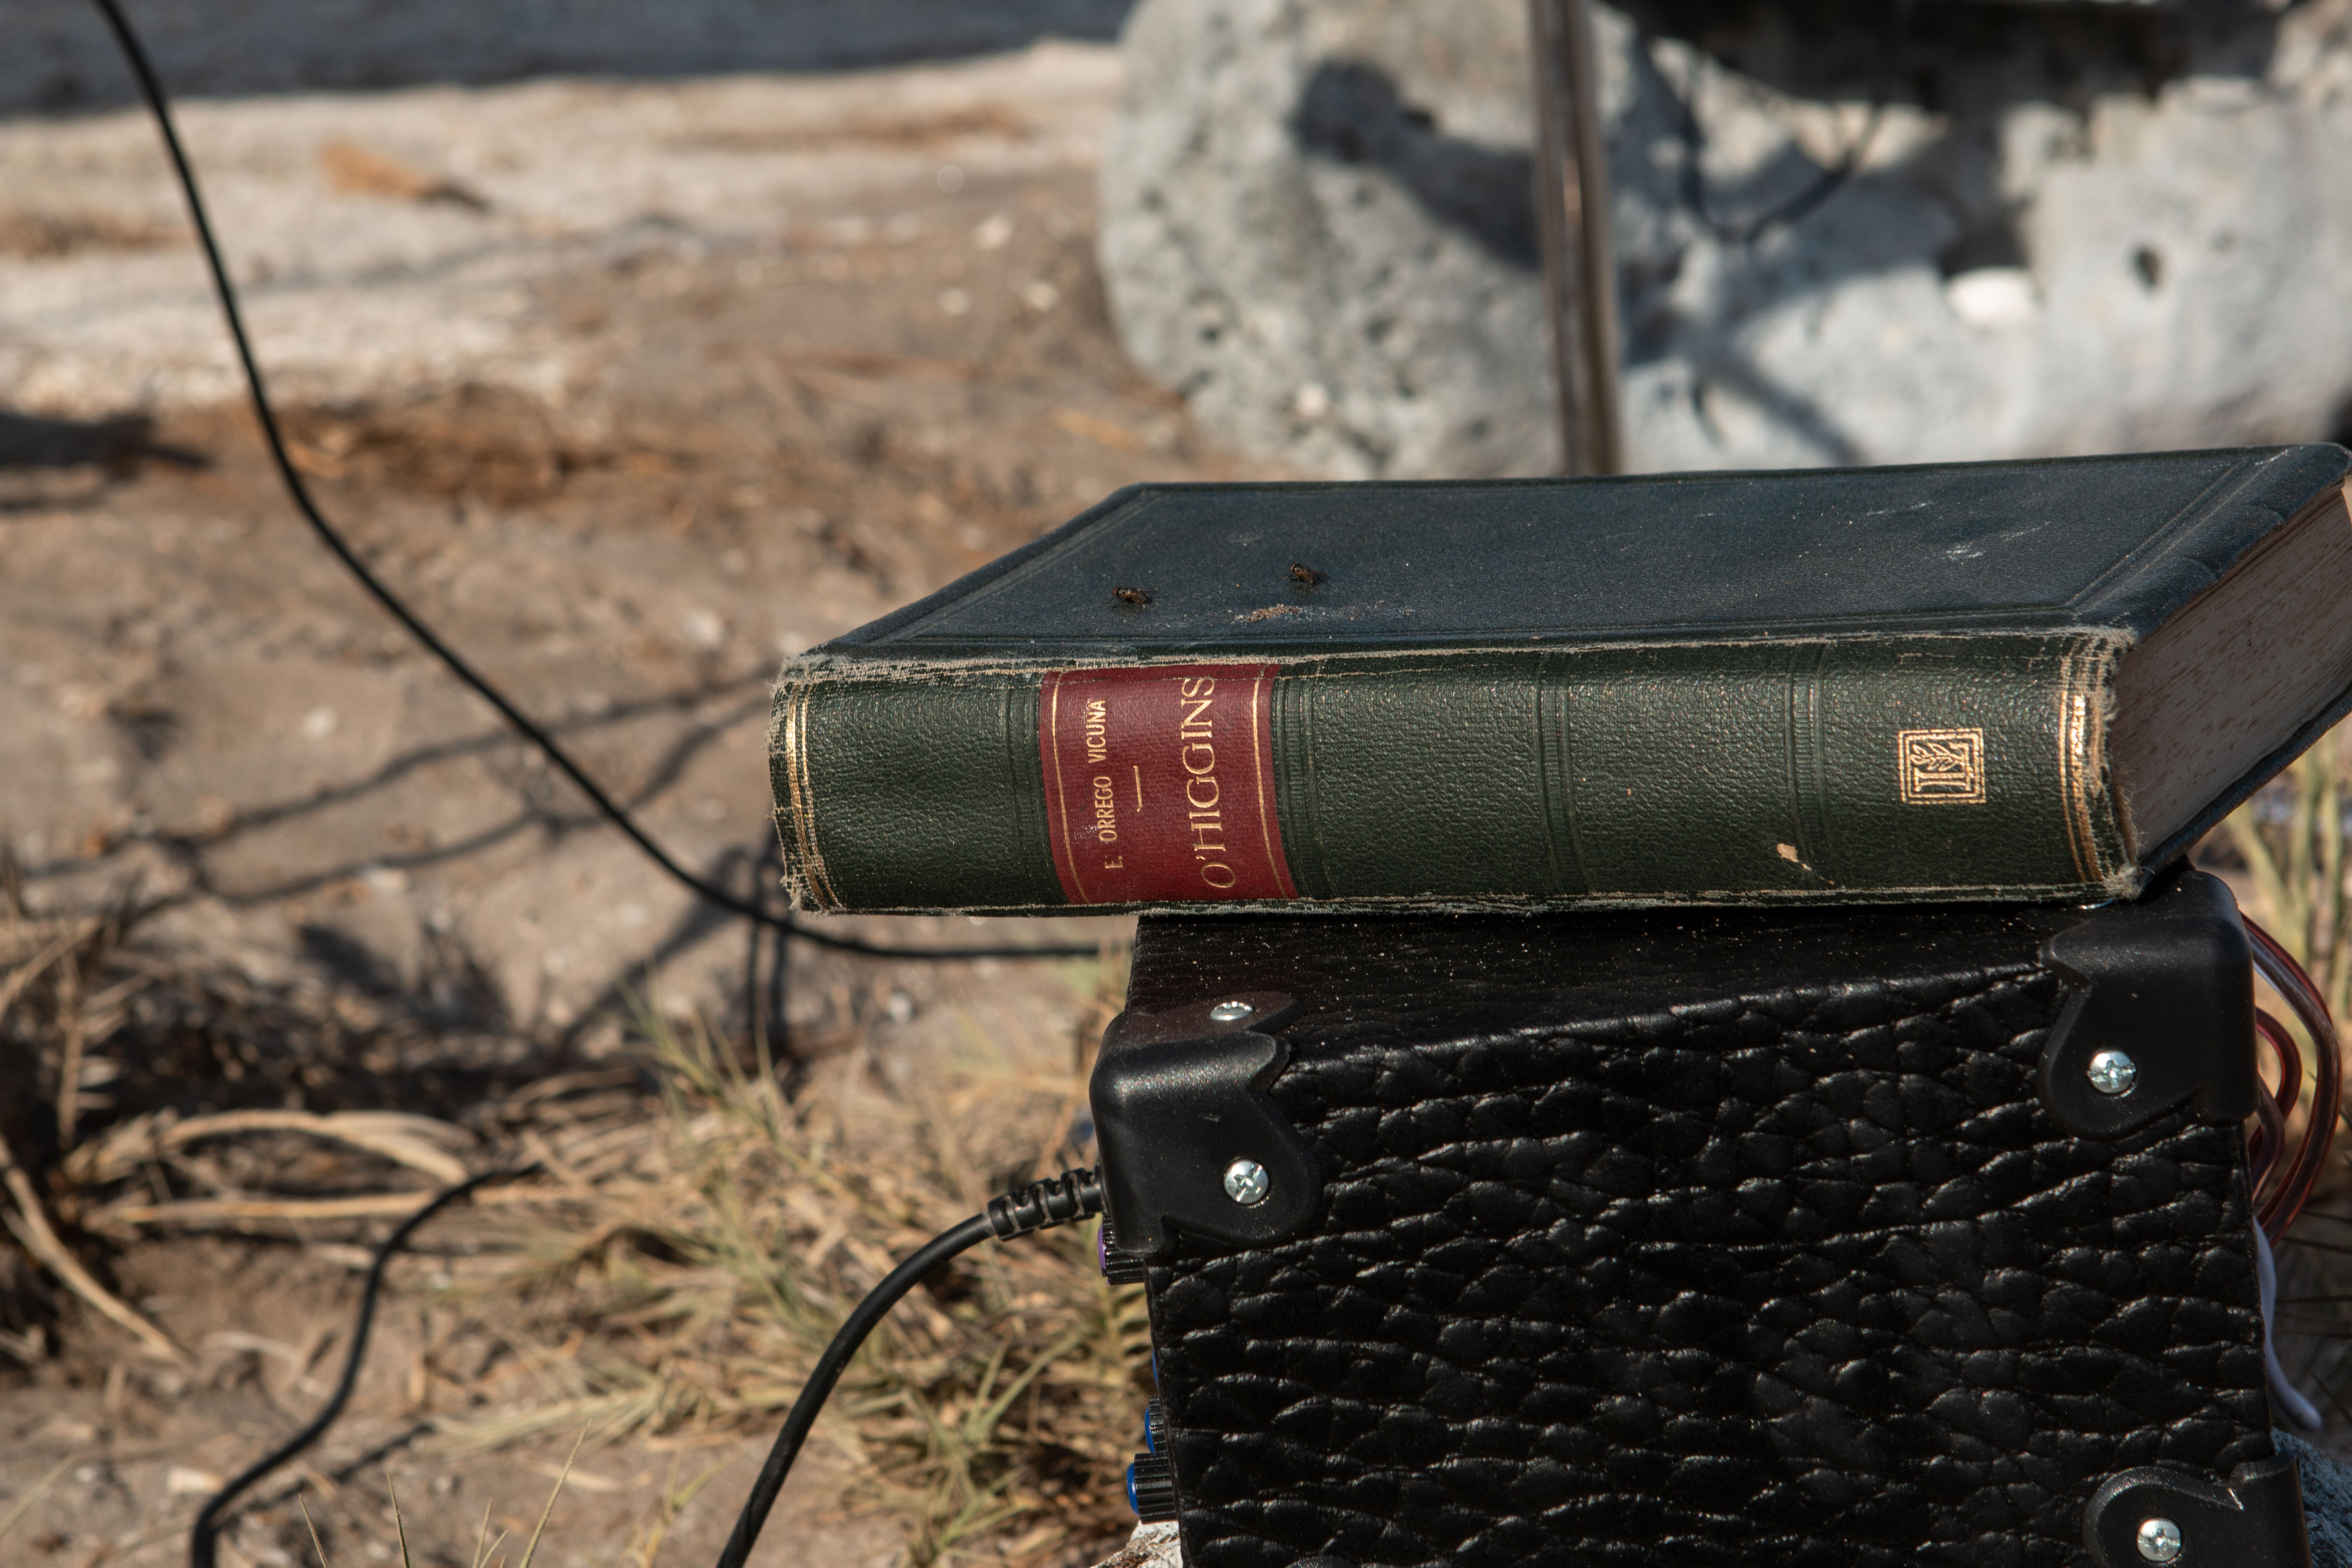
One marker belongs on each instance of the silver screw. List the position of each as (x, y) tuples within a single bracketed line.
[(1231, 1012), (2159, 1540), (2112, 1072), (1247, 1183)]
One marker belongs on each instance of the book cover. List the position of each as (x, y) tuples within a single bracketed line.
[(2005, 680)]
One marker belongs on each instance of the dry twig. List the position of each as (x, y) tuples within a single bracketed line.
[(31, 1225)]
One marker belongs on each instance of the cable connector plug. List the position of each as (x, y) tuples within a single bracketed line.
[(1119, 1266), (1072, 1195)]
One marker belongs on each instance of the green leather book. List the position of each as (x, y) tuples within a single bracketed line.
[(2003, 680)]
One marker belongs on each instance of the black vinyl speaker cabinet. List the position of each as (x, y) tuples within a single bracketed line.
[(1866, 1237)]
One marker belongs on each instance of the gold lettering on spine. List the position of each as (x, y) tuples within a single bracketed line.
[(802, 799), (1191, 725), (1196, 728), (1098, 728), (1105, 803)]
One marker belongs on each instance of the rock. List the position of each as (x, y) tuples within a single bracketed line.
[(1151, 1546), (1317, 226), (2326, 1500)]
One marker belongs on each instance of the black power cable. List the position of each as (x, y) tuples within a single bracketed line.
[(1072, 1195), (919, 1265), (151, 88), (204, 1536)]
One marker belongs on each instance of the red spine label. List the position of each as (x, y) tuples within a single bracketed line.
[(1160, 784)]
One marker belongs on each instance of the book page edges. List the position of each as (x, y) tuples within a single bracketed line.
[(2211, 704)]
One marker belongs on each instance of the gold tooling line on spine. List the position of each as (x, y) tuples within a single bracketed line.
[(803, 797), (2079, 752), (1052, 696)]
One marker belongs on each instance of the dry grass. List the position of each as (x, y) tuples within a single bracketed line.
[(672, 1274), (2290, 841), (487, 1553), (701, 1261)]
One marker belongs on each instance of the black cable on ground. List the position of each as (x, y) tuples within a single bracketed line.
[(151, 88), (204, 1536), (861, 1322), (1073, 1196)]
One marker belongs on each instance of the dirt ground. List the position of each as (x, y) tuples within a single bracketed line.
[(630, 389)]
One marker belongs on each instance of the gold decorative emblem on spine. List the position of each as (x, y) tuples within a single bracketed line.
[(1940, 767), (804, 798)]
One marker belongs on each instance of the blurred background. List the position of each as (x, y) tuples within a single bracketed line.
[(640, 347)]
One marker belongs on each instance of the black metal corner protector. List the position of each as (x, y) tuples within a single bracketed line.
[(2166, 983), (1187, 1133), (2150, 1515)]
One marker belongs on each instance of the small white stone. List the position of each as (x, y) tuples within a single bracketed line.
[(186, 1480), (1993, 296)]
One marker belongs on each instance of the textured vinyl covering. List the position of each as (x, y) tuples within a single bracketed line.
[(1653, 1241)]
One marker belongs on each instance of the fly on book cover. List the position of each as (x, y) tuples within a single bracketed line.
[(2023, 680)]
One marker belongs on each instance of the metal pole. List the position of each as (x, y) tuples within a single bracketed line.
[(1571, 172)]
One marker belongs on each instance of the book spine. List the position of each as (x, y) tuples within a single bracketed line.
[(1878, 768)]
